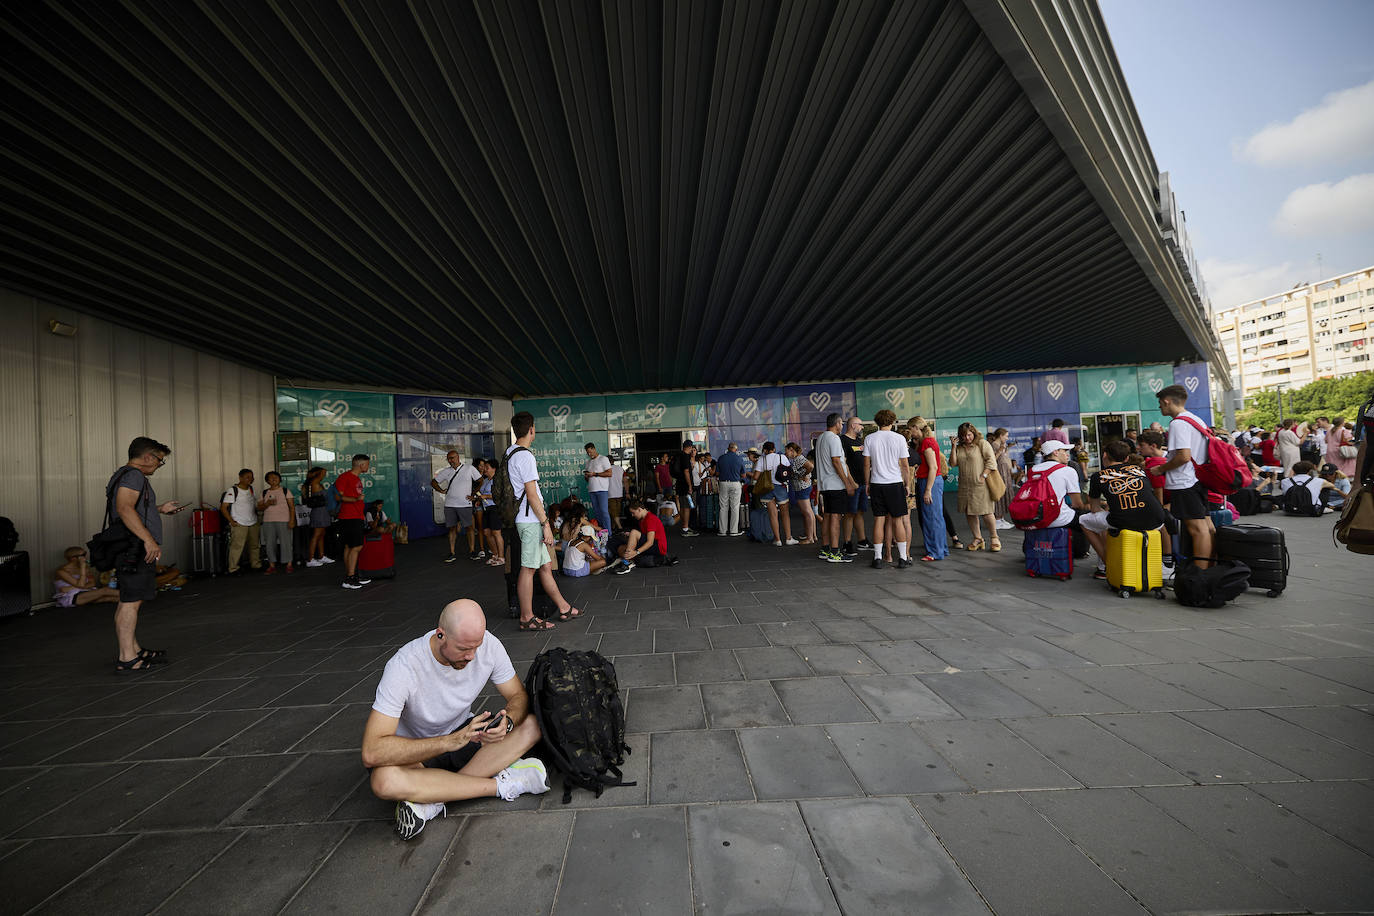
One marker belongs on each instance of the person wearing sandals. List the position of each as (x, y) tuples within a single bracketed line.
[(422, 744), (533, 528), (800, 489), (129, 498), (972, 455)]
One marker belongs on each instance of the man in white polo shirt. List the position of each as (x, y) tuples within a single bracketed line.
[(598, 477)]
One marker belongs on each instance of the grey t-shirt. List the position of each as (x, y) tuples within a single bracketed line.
[(127, 478), (828, 446)]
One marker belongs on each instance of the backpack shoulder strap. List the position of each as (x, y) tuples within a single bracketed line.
[(1196, 425)]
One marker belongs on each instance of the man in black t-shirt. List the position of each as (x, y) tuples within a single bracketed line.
[(853, 444), (682, 483), (1124, 497)]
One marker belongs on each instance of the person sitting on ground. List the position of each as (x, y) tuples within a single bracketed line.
[(376, 519), (578, 537), (75, 584), (646, 546), (1054, 457), (1340, 486), (423, 744), (1303, 476), (1122, 498)]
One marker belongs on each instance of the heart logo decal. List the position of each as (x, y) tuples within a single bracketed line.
[(895, 397), (560, 411), (1191, 383), (655, 411), (335, 410), (1008, 392), (1109, 386), (820, 400), (419, 411), (958, 394), (1056, 389), (746, 406), (1156, 385)]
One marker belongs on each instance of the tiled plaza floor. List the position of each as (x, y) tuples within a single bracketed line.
[(808, 738)]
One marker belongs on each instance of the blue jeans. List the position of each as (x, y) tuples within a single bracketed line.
[(601, 507), (933, 518)]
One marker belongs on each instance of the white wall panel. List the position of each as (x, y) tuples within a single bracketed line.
[(70, 405)]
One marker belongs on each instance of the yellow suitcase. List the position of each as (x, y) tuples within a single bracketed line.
[(1135, 562)]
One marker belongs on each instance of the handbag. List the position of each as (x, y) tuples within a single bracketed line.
[(763, 483), (997, 487), (1355, 527), (1349, 451)]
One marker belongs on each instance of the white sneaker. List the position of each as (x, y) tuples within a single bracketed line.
[(791, 542), (411, 817), (526, 775), (313, 564), (325, 561), (1003, 524)]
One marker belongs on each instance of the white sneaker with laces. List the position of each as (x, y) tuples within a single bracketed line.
[(411, 817), (526, 775), (325, 561), (314, 564), (791, 542)]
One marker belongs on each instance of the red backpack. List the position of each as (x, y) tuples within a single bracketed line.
[(1035, 504), (1224, 471)]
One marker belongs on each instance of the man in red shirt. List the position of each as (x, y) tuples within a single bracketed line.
[(646, 547), (350, 488)]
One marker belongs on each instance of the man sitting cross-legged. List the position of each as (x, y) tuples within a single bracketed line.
[(422, 743)]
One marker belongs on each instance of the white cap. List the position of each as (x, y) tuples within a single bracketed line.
[(1052, 446)]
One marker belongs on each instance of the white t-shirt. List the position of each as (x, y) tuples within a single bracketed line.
[(1313, 484), (1183, 434), (1064, 480), (884, 450), (599, 484), (459, 482), (1321, 441), (770, 463), (429, 697), (521, 468), (243, 504), (616, 482)]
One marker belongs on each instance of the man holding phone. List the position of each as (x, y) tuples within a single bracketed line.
[(131, 500), (422, 742)]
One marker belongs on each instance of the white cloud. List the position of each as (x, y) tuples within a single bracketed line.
[(1230, 283), (1340, 128), (1325, 209)]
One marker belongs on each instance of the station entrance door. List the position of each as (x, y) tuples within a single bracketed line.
[(1102, 429)]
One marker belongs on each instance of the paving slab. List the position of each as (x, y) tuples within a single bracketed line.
[(757, 860), (644, 670), (521, 853), (990, 757), (772, 662), (1191, 750), (1353, 727), (1017, 861), (1300, 686), (122, 798), (1160, 862), (277, 732), (140, 874), (1339, 808), (1211, 683), (373, 869), (681, 640), (308, 791), (655, 709), (29, 794), (709, 667), (751, 704), (691, 767), (33, 871), (1056, 692), (820, 700), (1092, 755), (900, 698), (881, 858), (977, 696), (1318, 871), (1295, 748), (890, 759), (795, 763), (1138, 690), (212, 795), (634, 859)]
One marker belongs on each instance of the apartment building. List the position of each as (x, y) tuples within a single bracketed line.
[(1312, 331)]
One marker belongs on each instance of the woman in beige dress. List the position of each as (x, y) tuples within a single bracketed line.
[(971, 454)]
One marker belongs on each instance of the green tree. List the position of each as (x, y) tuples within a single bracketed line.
[(1327, 397)]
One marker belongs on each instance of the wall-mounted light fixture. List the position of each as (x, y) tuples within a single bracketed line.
[(61, 329)]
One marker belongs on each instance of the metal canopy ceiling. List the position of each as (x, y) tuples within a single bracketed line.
[(525, 198)]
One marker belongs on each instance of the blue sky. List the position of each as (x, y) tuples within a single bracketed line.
[(1263, 114)]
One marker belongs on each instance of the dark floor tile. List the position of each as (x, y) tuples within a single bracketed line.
[(51, 742), (609, 623), (990, 757), (713, 617), (900, 698), (663, 620), (257, 692), (1300, 686), (496, 851), (138, 876), (769, 663), (1138, 690), (756, 859), (748, 705), (636, 642), (306, 792), (1339, 808), (1191, 750), (903, 657), (658, 709), (134, 733), (1354, 727), (343, 732), (814, 701), (764, 612), (905, 628), (838, 660), (736, 637), (799, 633), (1161, 863), (1217, 686), (977, 696), (1286, 744), (697, 767), (644, 670), (319, 689), (29, 795), (1056, 692), (116, 801), (1092, 755), (652, 875), (201, 735), (41, 868), (1018, 862), (206, 800), (891, 759), (709, 667), (849, 631), (795, 763), (373, 870), (871, 849), (277, 732), (684, 640)]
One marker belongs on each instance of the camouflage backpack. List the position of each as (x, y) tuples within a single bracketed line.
[(575, 700)]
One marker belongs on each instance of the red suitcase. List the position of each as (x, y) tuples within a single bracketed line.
[(378, 557), (205, 522)]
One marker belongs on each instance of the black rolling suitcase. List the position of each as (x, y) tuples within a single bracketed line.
[(1262, 549), (209, 555), (15, 597)]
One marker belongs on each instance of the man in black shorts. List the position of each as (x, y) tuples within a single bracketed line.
[(853, 442), (1187, 496), (129, 497), (836, 485), (887, 474)]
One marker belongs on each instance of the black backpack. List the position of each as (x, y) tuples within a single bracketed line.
[(9, 535), (1246, 501), (503, 493), (1212, 587), (1298, 500), (575, 700)]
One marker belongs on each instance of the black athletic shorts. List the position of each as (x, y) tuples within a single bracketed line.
[(138, 582), (887, 499), (453, 761), (1189, 503), (351, 532), (491, 518), (835, 502)]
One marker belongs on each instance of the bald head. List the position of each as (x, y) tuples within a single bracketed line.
[(463, 621)]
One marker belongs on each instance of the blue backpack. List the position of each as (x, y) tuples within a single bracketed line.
[(331, 500)]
